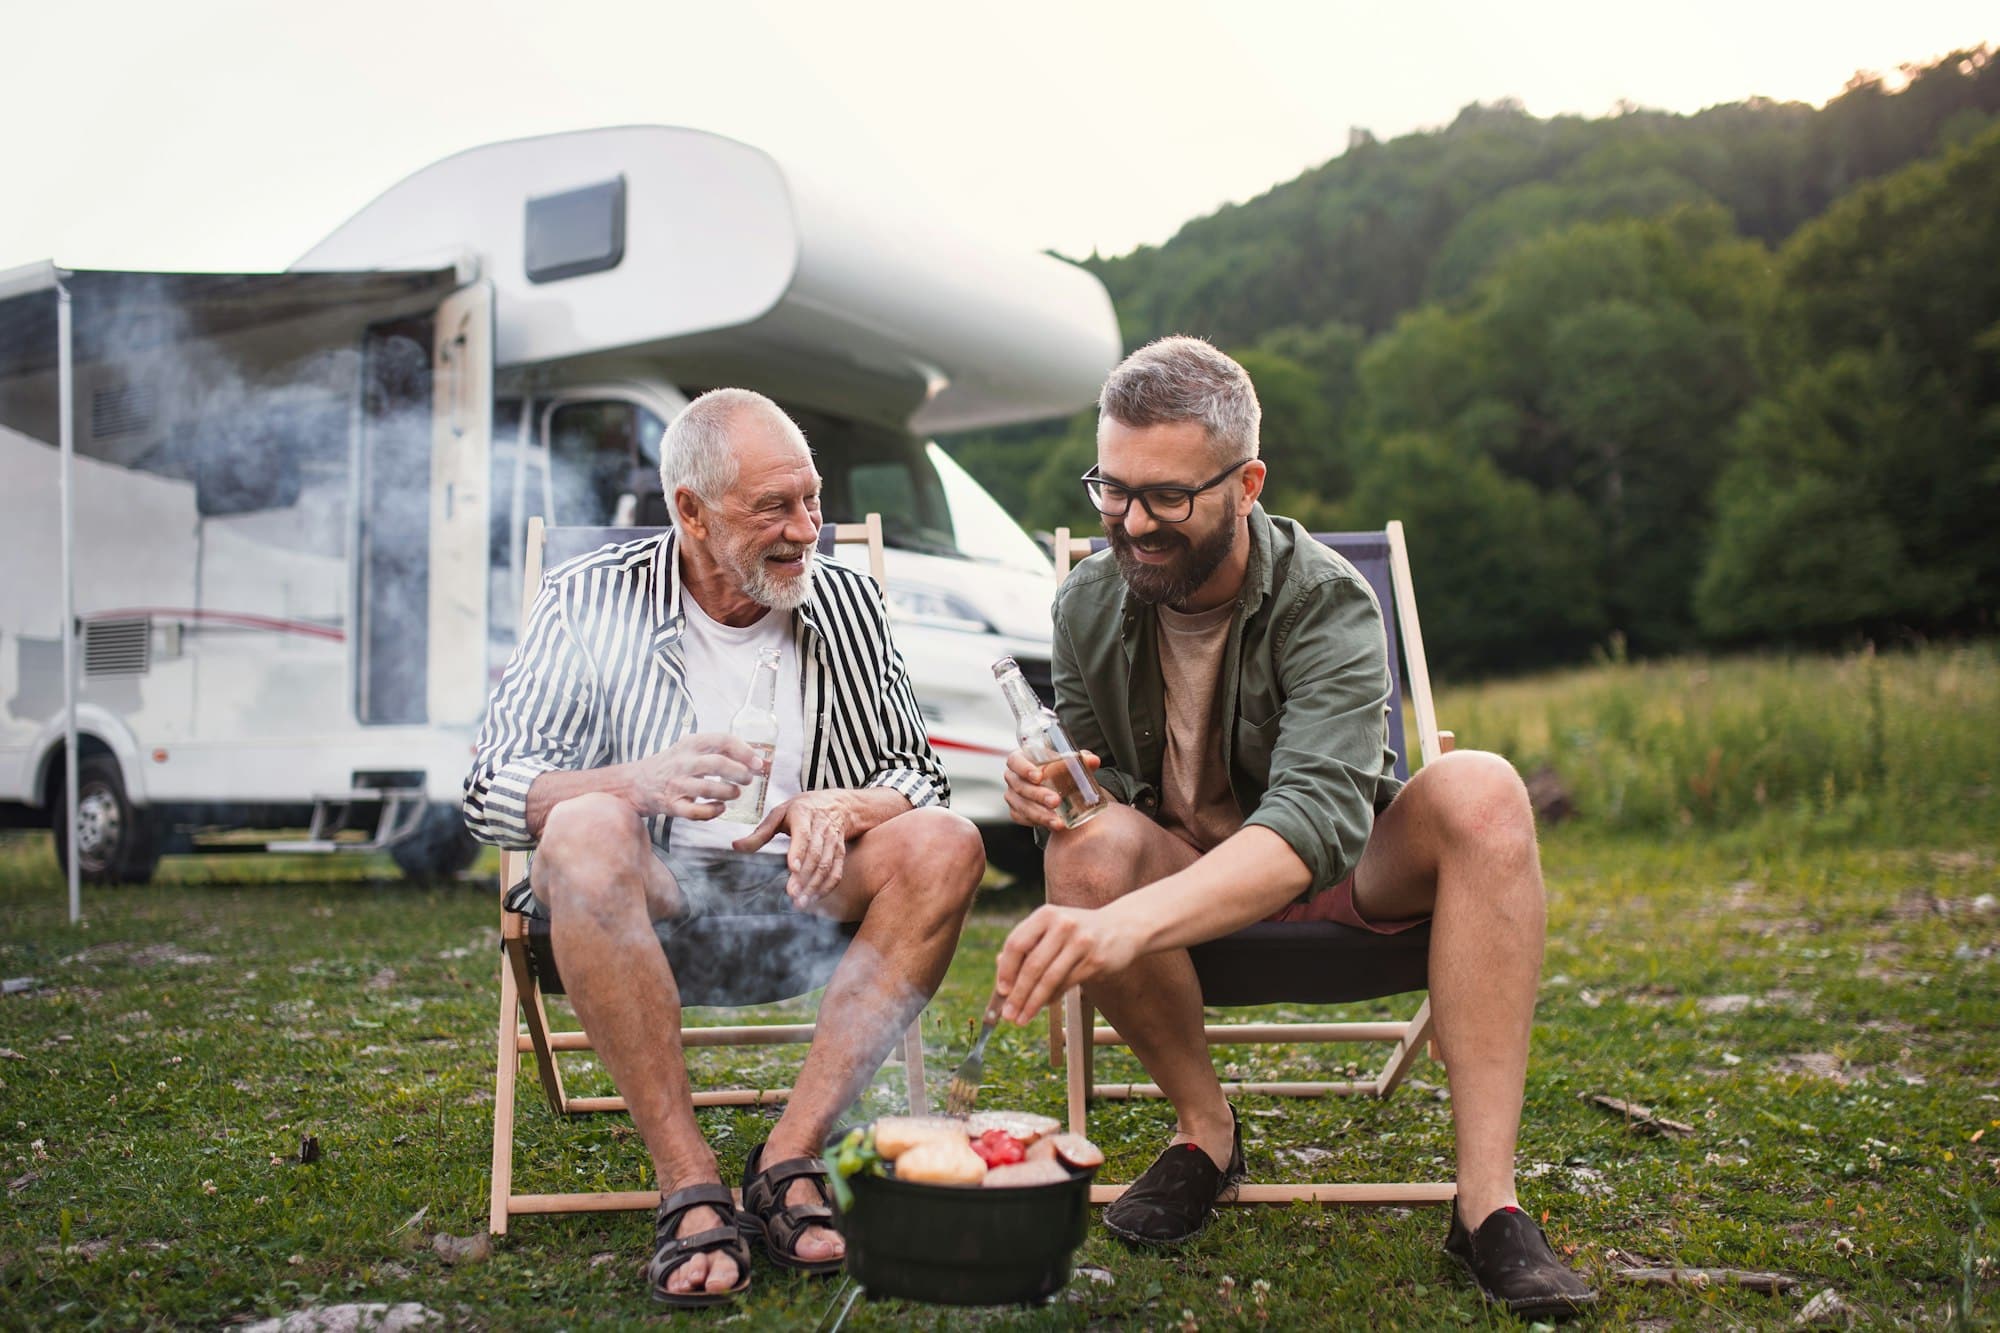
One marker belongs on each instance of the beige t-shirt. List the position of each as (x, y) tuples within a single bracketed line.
[(1195, 800)]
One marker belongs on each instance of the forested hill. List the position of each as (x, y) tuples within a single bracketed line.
[(1388, 226), (1649, 379)]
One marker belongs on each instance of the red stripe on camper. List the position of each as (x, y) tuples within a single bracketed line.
[(939, 742), (239, 619)]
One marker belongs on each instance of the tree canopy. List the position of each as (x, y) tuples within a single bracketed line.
[(1728, 377)]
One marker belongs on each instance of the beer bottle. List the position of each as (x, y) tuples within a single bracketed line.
[(756, 725), (1044, 740)]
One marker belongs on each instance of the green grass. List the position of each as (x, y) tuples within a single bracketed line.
[(1817, 998)]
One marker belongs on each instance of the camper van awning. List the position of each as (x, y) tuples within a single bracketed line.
[(118, 311)]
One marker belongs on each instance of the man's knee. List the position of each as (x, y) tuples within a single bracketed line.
[(586, 842), (939, 851), (1479, 801), (1097, 862)]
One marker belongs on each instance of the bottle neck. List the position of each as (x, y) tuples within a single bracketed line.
[(1020, 695), (763, 694)]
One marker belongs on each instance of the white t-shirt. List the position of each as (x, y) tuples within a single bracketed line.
[(720, 661)]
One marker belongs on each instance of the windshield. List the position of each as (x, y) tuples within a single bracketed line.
[(985, 530), (927, 502)]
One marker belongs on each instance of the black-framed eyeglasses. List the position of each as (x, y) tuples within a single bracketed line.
[(1164, 504)]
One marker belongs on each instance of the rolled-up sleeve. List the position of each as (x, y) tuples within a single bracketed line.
[(1327, 754), (543, 717), (904, 760)]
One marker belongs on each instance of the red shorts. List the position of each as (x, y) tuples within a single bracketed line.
[(1336, 904)]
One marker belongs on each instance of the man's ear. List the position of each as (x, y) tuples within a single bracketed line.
[(1253, 484), (690, 514)]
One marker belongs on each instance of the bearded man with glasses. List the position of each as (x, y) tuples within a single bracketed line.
[(1229, 677)]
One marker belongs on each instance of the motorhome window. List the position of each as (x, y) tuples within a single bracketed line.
[(576, 232), (594, 458), (879, 469)]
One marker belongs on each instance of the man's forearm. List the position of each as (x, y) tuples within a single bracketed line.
[(1243, 880), (556, 786), (865, 807)]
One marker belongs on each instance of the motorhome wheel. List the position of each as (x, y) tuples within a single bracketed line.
[(115, 840)]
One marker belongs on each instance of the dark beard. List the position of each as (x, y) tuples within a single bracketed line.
[(1174, 582)]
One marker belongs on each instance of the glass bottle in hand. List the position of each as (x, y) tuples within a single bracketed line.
[(756, 725), (1044, 740)]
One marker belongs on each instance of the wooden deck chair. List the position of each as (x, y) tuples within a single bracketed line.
[(1301, 962), (704, 954)]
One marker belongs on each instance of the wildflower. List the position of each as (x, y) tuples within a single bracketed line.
[(208, 1187)]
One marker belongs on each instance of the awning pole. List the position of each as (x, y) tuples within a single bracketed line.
[(66, 408)]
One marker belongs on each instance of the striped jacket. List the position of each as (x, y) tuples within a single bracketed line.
[(598, 679)]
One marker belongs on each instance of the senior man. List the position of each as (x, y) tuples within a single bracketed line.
[(605, 749), (1232, 674)]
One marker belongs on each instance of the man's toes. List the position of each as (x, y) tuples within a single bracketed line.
[(721, 1273), (689, 1276), (821, 1243)]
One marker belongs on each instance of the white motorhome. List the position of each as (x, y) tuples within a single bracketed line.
[(300, 497)]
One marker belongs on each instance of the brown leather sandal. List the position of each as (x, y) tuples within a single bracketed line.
[(671, 1251), (777, 1225)]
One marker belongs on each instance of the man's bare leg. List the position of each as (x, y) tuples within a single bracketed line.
[(1459, 843), (597, 877), (909, 882), (1156, 1003)]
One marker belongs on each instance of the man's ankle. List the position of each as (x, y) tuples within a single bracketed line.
[(1216, 1137), (1475, 1207)]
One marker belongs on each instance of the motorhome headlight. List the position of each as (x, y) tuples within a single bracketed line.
[(922, 604)]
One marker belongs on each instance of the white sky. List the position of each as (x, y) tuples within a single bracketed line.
[(232, 134)]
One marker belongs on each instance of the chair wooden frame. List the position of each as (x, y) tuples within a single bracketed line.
[(1073, 1041), (524, 1021)]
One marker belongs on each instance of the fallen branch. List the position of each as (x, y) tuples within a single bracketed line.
[(1776, 1284), (1639, 1118)]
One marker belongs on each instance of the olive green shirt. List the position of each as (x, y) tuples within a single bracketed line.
[(1305, 691)]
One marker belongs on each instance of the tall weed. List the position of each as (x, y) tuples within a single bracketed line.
[(1870, 744)]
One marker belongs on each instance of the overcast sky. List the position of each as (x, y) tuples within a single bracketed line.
[(232, 134)]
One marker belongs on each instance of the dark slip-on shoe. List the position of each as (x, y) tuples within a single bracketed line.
[(1173, 1198), (1510, 1260)]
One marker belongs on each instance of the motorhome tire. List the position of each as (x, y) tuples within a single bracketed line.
[(116, 841), (440, 848)]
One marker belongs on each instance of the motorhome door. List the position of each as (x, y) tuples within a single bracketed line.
[(427, 410)]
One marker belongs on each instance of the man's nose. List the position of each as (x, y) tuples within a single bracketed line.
[(1136, 521), (801, 525)]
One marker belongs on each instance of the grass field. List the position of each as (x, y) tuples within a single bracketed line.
[(1807, 977)]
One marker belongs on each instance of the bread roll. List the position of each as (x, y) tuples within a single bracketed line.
[(1023, 1125), (940, 1161), (897, 1134)]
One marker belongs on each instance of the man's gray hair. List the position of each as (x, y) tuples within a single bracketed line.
[(1179, 379), (696, 452)]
